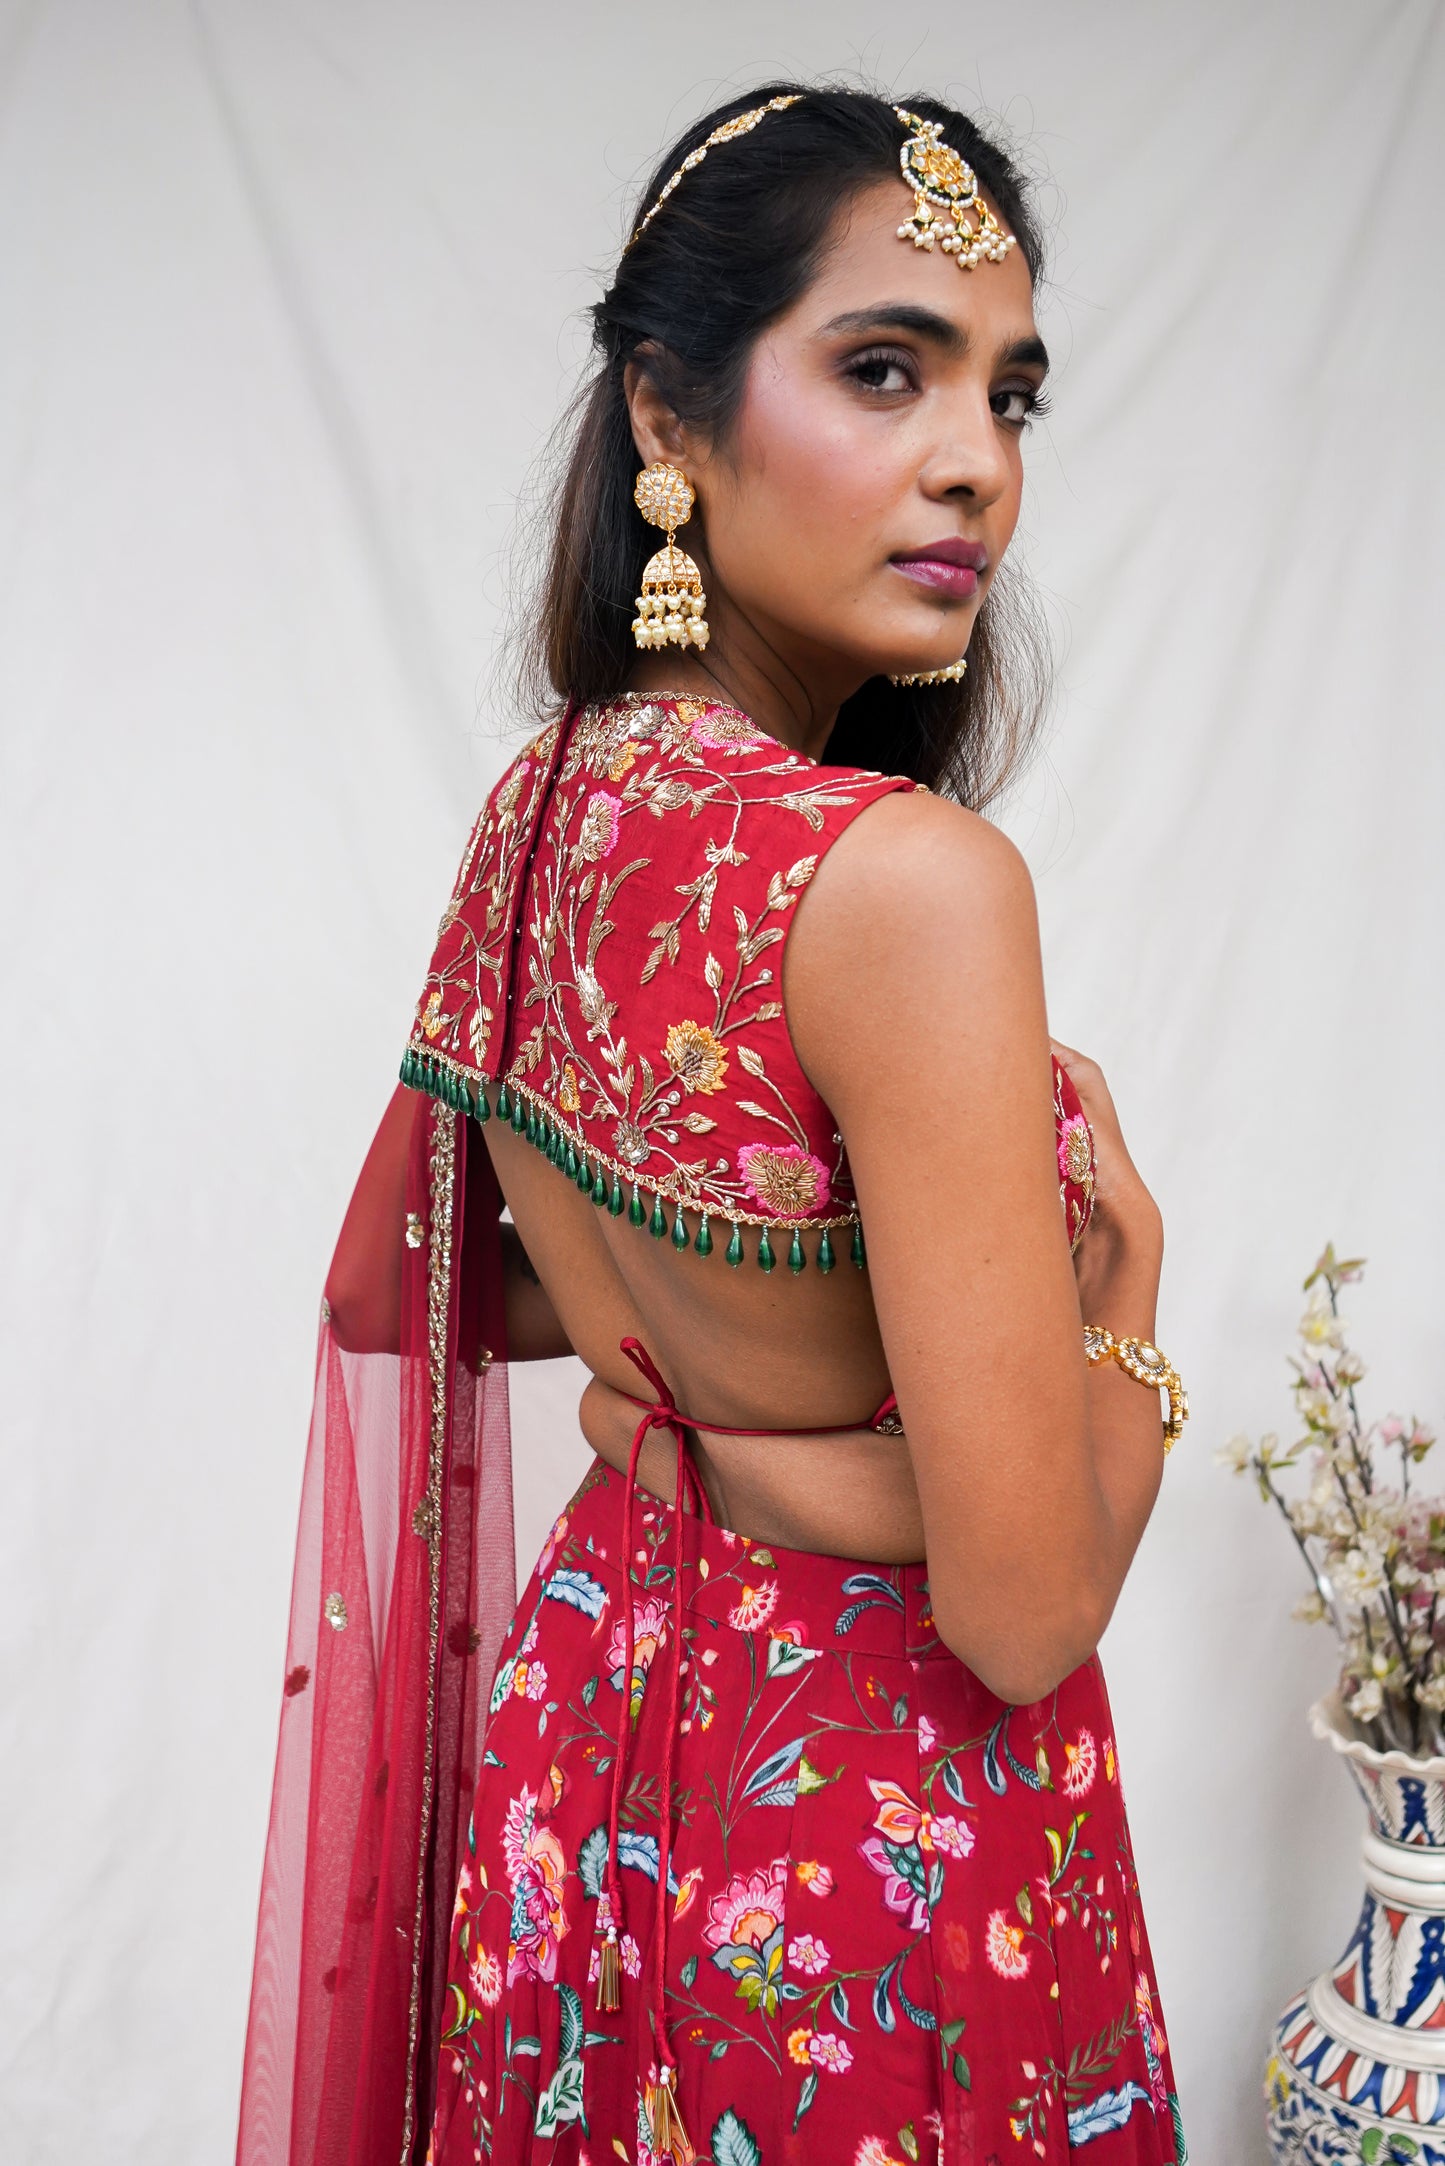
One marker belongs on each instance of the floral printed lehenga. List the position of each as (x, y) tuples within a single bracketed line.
[(705, 1849)]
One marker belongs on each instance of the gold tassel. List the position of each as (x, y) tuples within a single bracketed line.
[(609, 1975), (669, 2138)]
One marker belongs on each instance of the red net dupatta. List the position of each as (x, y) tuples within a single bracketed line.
[(405, 1583)]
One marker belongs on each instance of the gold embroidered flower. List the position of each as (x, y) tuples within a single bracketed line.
[(511, 789), (790, 1182), (590, 998), (621, 761), (431, 1014), (695, 1056), (569, 1098)]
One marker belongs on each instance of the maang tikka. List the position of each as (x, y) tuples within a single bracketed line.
[(670, 606)]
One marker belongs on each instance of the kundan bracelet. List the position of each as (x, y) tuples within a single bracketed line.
[(1143, 1361)]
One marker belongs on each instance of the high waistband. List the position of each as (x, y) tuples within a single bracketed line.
[(896, 1604)]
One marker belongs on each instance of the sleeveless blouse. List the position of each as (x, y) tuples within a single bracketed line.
[(608, 978)]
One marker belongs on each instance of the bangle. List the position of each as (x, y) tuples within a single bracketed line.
[(1143, 1361)]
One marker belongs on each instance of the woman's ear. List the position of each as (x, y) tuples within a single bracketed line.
[(657, 431)]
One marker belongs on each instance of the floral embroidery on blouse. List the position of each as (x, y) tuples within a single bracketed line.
[(611, 960)]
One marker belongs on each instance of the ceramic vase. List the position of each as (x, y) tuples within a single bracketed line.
[(1357, 2063)]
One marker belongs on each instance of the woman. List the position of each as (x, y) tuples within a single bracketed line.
[(781, 1817)]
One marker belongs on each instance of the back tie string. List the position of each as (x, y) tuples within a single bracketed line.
[(670, 2139), (669, 2136)]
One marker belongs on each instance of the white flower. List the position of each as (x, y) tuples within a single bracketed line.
[(1310, 1608), (1349, 1368), (1366, 1703), (1319, 1326), (1359, 1574), (1236, 1454), (1432, 1693)]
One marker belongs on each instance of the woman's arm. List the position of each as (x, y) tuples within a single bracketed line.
[(914, 992)]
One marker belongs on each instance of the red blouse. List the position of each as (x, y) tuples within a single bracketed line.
[(611, 961)]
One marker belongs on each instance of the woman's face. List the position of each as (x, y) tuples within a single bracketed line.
[(857, 512)]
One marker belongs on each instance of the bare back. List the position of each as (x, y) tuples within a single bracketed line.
[(627, 910)]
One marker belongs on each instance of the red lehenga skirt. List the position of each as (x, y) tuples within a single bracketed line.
[(902, 1917)]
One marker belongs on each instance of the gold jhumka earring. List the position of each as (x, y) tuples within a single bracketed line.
[(670, 606)]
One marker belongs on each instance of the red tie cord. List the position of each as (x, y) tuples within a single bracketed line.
[(670, 2137), (663, 1414)]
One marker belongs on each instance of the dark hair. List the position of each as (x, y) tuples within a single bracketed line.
[(729, 251)]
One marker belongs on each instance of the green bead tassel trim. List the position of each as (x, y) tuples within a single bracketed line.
[(426, 1072)]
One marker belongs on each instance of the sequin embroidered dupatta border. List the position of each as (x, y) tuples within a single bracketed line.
[(405, 1582)]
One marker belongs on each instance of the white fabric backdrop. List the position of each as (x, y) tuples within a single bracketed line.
[(285, 312)]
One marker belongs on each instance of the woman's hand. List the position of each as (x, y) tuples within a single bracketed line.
[(1125, 1236)]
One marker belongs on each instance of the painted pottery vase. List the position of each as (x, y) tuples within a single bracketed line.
[(1357, 2063)]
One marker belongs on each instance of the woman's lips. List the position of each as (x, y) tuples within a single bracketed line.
[(960, 580), (951, 567)]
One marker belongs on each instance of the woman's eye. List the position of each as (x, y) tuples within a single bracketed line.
[(882, 372), (1020, 406)]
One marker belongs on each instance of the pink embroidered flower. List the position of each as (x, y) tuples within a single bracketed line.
[(1076, 1151), (1081, 1762), (649, 1620), (951, 1834), (597, 836), (754, 1607), (899, 1895), (827, 2050), (721, 729), (536, 1679), (537, 1869), (789, 1182), (794, 1631), (749, 1910), (926, 1734), (873, 2151), (808, 1954), (529, 1638), (816, 1878), (1003, 1942), (485, 1979)]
